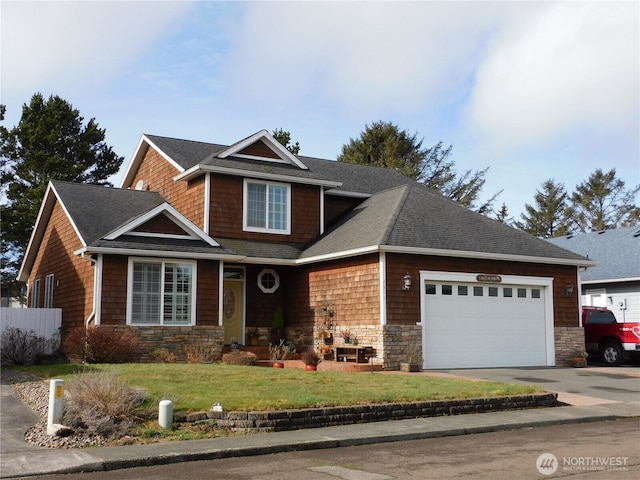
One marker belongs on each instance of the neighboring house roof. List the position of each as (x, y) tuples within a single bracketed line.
[(417, 220), (617, 251)]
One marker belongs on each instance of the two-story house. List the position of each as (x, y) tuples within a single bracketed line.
[(204, 242)]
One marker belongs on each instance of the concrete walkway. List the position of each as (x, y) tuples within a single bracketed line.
[(18, 458)]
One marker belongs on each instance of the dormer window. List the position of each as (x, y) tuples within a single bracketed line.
[(267, 207)]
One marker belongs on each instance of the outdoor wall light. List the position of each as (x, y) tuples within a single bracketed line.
[(568, 290), (406, 282)]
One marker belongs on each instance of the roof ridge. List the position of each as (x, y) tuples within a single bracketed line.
[(396, 211)]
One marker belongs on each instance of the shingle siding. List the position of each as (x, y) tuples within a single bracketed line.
[(73, 275)]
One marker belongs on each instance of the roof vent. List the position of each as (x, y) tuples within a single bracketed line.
[(601, 232)]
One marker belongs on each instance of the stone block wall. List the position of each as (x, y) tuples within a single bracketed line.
[(567, 340), (398, 340), (294, 419), (179, 341)]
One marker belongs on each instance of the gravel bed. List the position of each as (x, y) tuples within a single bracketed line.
[(35, 393)]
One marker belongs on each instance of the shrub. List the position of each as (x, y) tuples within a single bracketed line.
[(100, 403), (240, 358), (310, 357), (20, 347), (201, 353), (99, 345), (163, 355)]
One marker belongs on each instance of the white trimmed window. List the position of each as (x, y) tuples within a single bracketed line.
[(48, 291), (161, 292), (35, 294), (267, 207), (268, 280)]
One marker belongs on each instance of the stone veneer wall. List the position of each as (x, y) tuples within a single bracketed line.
[(176, 340), (398, 340), (567, 340)]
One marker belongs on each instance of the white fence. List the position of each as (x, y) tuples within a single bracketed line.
[(45, 322)]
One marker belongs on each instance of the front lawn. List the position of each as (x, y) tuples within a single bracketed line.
[(196, 387)]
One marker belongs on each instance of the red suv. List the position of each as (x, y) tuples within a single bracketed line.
[(603, 335)]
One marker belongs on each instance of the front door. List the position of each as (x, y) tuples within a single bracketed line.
[(233, 305)]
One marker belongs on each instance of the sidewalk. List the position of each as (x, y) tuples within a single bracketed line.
[(19, 459)]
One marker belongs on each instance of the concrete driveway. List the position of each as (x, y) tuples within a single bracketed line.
[(592, 385)]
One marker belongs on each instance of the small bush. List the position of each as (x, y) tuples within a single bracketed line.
[(99, 345), (20, 347), (100, 403), (201, 353), (310, 357), (163, 355), (240, 358)]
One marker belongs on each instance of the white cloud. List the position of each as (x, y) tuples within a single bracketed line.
[(558, 69), (71, 46), (360, 56)]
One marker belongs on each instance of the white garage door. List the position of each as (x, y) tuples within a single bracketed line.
[(468, 323)]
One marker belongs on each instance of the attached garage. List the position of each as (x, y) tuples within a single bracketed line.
[(472, 320)]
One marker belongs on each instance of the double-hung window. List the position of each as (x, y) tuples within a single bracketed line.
[(161, 293), (267, 207)]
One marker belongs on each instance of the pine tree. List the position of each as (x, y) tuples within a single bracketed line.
[(551, 214)]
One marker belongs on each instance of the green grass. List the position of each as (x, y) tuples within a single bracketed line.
[(196, 387)]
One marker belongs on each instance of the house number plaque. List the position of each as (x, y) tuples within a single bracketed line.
[(489, 278)]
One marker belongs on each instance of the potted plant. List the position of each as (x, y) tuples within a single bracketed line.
[(579, 358), (346, 335), (311, 359), (253, 337), (414, 359), (278, 354)]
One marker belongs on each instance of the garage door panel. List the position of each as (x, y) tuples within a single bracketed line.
[(490, 326)]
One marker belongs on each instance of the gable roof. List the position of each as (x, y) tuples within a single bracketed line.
[(616, 250), (96, 212), (416, 220)]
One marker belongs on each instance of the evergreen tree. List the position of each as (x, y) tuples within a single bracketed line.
[(602, 202), (383, 144), (551, 214), (50, 142), (503, 215), (284, 137)]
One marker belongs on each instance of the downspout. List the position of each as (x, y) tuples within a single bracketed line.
[(383, 288), (97, 274)]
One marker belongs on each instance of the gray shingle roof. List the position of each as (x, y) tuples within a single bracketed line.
[(186, 153), (618, 252), (415, 217), (97, 210)]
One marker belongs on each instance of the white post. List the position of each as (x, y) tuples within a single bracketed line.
[(165, 414), (56, 389)]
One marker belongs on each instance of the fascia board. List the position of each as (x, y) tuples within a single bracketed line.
[(338, 255), (271, 142), (138, 155), (159, 253), (611, 280), (50, 197), (488, 256), (177, 217), (341, 193), (199, 169)]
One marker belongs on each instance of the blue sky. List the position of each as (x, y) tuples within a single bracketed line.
[(532, 90)]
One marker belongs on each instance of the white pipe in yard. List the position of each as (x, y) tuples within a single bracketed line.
[(56, 390), (165, 414)]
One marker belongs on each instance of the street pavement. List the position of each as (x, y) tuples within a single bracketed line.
[(591, 394)]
